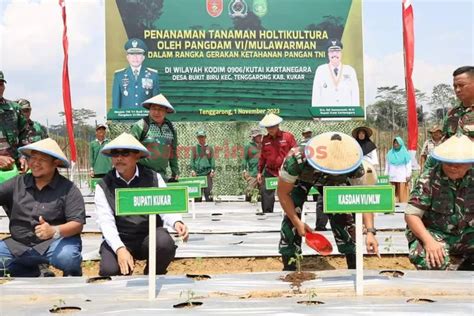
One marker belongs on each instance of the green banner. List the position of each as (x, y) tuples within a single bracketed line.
[(201, 180), (359, 199), (233, 60), (271, 183), (147, 201), (383, 180), (194, 189)]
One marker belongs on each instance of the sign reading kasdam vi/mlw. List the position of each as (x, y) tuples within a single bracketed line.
[(235, 59)]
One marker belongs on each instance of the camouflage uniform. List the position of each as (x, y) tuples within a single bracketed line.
[(446, 208), (296, 169), (451, 121), (12, 123), (32, 132)]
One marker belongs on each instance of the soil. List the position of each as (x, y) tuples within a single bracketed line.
[(296, 278), (210, 266)]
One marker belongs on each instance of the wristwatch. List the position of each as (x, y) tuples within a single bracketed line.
[(371, 230), (57, 233)]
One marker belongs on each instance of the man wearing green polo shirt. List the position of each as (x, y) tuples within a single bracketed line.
[(99, 164), (203, 163)]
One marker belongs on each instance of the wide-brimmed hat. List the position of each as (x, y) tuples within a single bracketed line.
[(46, 146), (159, 100), (270, 120), (125, 141), (255, 132), (457, 149), (435, 128), (333, 153), (367, 130)]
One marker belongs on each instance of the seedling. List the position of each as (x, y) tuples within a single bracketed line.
[(297, 259), (189, 296)]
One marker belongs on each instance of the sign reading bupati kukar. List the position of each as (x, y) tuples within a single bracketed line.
[(147, 201), (233, 60)]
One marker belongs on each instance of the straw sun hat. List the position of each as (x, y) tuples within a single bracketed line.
[(159, 100), (270, 120), (457, 149), (125, 141), (46, 146), (333, 153)]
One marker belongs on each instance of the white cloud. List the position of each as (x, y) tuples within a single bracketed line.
[(389, 71)]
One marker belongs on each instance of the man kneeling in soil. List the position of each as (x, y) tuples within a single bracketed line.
[(329, 159), (46, 213), (126, 237), (439, 214)]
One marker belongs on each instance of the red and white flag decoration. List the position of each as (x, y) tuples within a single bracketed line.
[(66, 89), (409, 53)]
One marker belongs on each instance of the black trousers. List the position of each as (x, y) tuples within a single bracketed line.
[(165, 252)]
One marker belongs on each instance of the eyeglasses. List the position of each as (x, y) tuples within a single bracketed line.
[(123, 153)]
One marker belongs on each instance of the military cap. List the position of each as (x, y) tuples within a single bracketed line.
[(270, 120), (2, 76), (135, 46), (334, 44), (125, 141), (201, 133), (24, 104), (333, 153), (255, 132), (46, 146), (457, 149), (159, 100)]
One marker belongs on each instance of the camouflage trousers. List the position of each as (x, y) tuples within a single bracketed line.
[(342, 226), (458, 248)]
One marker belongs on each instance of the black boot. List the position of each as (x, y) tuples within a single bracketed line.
[(286, 265), (351, 261)]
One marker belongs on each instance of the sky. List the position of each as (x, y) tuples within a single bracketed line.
[(31, 49)]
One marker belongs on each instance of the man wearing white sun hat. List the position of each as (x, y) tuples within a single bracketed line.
[(439, 214), (46, 213), (126, 237), (275, 145)]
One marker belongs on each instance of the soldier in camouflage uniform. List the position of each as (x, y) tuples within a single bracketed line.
[(440, 213), (33, 131), (329, 159), (463, 83), (12, 123), (158, 135)]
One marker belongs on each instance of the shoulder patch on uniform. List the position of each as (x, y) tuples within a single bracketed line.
[(119, 70), (151, 69)]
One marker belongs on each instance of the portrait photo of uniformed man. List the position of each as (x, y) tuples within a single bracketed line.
[(335, 84), (135, 83)]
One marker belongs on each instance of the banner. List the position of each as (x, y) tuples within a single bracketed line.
[(231, 60), (66, 87)]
